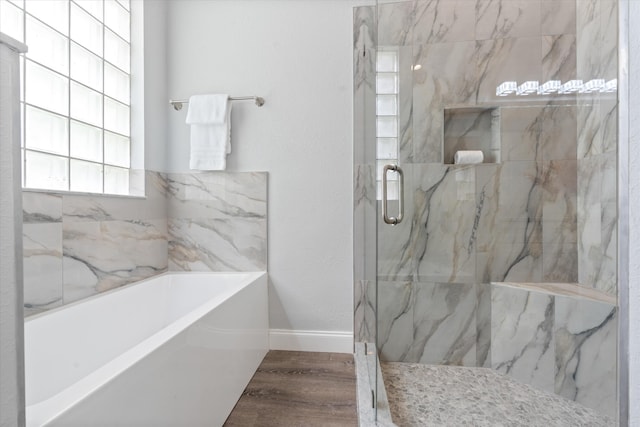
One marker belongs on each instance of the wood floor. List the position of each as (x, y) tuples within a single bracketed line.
[(294, 388)]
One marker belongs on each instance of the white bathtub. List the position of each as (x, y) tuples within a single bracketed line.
[(174, 350)]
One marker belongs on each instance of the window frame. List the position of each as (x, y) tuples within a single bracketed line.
[(129, 162)]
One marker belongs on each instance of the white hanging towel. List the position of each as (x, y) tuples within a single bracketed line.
[(210, 120)]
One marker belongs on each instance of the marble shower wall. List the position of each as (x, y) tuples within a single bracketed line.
[(544, 213), (76, 246), (596, 149), (466, 48)]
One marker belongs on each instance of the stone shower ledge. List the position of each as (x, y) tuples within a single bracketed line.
[(563, 289)]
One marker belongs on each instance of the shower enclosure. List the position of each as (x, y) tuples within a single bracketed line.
[(508, 264)]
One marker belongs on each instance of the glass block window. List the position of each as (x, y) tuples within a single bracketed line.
[(387, 100), (76, 92)]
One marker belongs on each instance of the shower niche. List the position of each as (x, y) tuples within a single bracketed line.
[(471, 128)]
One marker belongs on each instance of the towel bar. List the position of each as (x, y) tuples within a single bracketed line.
[(177, 104)]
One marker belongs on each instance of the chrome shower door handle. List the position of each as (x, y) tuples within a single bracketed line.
[(385, 213)]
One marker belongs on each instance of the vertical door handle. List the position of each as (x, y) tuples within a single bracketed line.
[(385, 214)]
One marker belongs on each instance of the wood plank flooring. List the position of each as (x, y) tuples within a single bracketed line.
[(293, 388)]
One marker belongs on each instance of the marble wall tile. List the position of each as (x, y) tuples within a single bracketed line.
[(521, 132), (395, 23), (202, 244), (40, 207), (483, 325), (92, 208), (609, 34), (559, 235), (558, 17), (559, 57), (444, 244), (585, 334), (440, 21), (428, 323), (597, 125), (364, 311), (497, 19), (522, 340), (509, 211), (405, 107), (609, 120), (597, 216), (588, 38), (560, 186), (597, 27), (364, 55), (42, 251), (444, 324), (396, 302), (103, 255), (589, 142), (559, 133), (431, 245), (80, 245), (447, 78), (42, 264), (217, 221), (503, 60), (364, 39), (608, 278), (365, 220), (217, 195)]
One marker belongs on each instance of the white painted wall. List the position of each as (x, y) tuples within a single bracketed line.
[(298, 56), (634, 220), (155, 93)]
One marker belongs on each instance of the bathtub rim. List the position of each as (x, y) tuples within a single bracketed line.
[(45, 411), (164, 274)]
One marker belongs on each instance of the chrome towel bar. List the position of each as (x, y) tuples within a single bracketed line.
[(177, 104)]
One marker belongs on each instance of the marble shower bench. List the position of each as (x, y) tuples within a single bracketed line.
[(556, 337)]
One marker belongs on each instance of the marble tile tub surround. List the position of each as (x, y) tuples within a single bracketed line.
[(217, 221), (76, 246)]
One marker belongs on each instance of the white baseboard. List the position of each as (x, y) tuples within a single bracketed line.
[(323, 341)]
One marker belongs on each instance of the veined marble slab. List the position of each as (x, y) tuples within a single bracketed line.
[(80, 245), (522, 340), (586, 353), (217, 221)]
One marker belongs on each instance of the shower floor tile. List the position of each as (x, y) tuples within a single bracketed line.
[(427, 395)]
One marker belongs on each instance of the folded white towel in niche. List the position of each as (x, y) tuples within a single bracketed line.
[(466, 157), (210, 120)]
